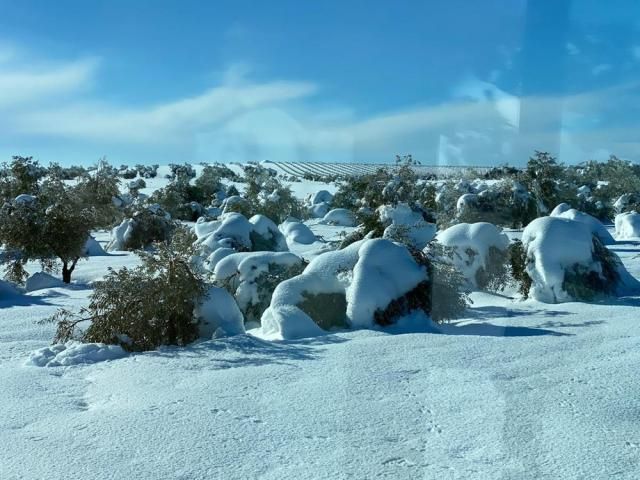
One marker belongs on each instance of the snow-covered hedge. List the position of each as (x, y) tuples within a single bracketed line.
[(368, 283), (479, 251), (628, 225), (234, 231), (251, 278), (566, 261)]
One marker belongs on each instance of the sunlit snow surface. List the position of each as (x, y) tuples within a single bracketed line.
[(517, 390)]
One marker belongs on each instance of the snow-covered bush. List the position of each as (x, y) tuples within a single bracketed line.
[(566, 261), (140, 308), (267, 196), (145, 227), (341, 217), (480, 252), (368, 283), (628, 225), (297, 232), (235, 232), (251, 278), (236, 204), (318, 204), (218, 314), (404, 225), (505, 203), (627, 202), (595, 226)]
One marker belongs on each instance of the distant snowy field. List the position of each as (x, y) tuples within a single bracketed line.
[(516, 390)]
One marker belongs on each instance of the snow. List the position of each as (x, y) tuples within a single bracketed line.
[(341, 217), (471, 243), (40, 281), (25, 198), (218, 314), (120, 234), (515, 389), (595, 225), (297, 232), (627, 225), (74, 353), (323, 196), (407, 225), (560, 209), (92, 248)]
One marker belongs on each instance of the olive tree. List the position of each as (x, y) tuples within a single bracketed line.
[(51, 228)]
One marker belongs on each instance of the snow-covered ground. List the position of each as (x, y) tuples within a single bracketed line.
[(515, 390)]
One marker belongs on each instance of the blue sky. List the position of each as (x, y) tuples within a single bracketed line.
[(455, 82)]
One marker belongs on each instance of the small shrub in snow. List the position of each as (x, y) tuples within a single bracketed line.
[(147, 226), (480, 252), (518, 267), (251, 277), (140, 308)]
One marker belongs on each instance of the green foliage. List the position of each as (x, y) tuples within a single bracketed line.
[(20, 176), (52, 227), (518, 263), (140, 308), (97, 190), (208, 183), (265, 284), (148, 228), (328, 310), (583, 284), (267, 196), (542, 177), (495, 275)]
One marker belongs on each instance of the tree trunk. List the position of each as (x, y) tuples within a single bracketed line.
[(67, 270)]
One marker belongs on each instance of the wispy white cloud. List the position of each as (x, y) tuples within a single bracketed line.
[(20, 85), (600, 69), (237, 118)]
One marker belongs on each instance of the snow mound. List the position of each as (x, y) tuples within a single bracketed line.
[(323, 196), (218, 315), (628, 225), (297, 232), (92, 248), (74, 353), (560, 209), (341, 217), (42, 280), (595, 226), (270, 237), (319, 210), (472, 244), (368, 275), (120, 234), (556, 247), (234, 231)]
